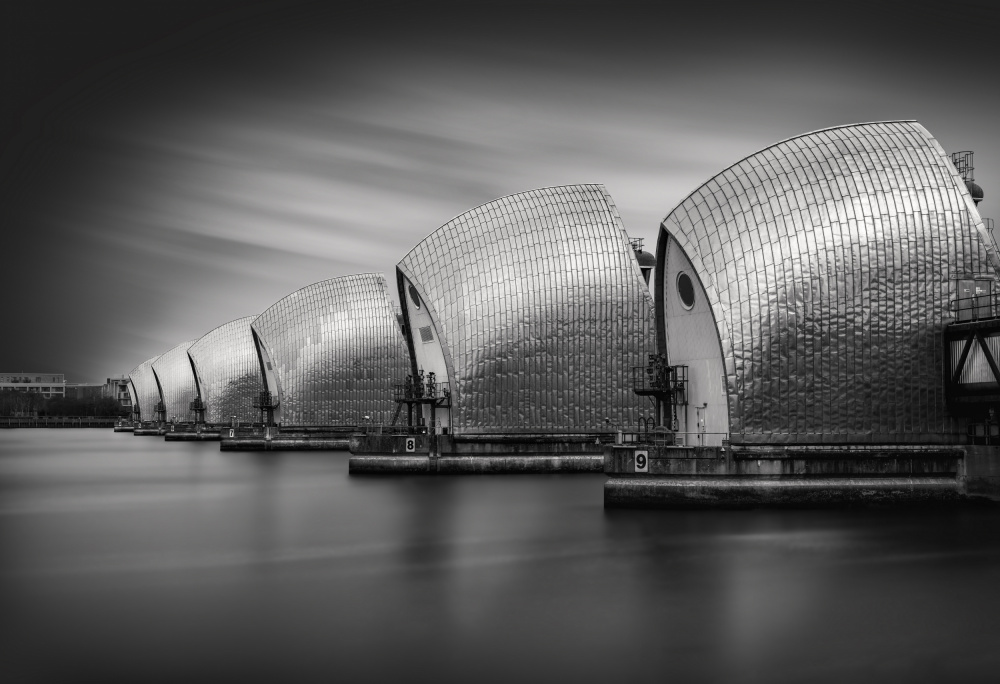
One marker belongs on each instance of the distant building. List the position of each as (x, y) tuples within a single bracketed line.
[(47, 384), (117, 388)]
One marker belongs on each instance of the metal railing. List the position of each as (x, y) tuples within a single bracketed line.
[(659, 377), (975, 308), (963, 164), (669, 438), (383, 429), (422, 388)]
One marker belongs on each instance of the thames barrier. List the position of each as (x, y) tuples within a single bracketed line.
[(819, 326)]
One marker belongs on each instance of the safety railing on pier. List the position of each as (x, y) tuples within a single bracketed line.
[(381, 429), (423, 389), (975, 308), (251, 429), (658, 377), (668, 438)]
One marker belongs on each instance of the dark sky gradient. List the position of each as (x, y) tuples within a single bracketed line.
[(170, 166)]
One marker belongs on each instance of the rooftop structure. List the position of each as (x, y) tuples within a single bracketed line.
[(332, 353), (227, 372), (530, 312), (806, 288)]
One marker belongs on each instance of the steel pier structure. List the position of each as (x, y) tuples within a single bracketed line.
[(809, 293)]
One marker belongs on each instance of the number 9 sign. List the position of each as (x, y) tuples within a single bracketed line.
[(642, 461), (411, 445)]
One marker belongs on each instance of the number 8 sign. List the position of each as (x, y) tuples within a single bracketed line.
[(411, 445), (642, 461)]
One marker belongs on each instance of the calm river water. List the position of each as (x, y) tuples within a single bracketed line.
[(133, 559)]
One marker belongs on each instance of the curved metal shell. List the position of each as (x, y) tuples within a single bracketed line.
[(145, 392), (130, 388), (829, 261), (540, 311), (177, 386), (336, 352), (227, 372)]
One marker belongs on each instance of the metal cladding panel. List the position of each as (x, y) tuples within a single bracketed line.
[(542, 312), (228, 372), (337, 351), (829, 260), (173, 370), (146, 394)]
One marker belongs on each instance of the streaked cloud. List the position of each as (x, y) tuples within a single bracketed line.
[(209, 180)]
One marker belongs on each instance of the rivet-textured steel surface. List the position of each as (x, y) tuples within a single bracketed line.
[(337, 352), (542, 312), (145, 393), (829, 260), (177, 387), (228, 372)]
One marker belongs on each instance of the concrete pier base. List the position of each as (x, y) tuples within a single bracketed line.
[(149, 431), (741, 476), (388, 465), (207, 436), (284, 443), (738, 492), (486, 454), (287, 438), (486, 465), (124, 428)]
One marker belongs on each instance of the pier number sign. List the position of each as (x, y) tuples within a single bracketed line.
[(411, 445), (642, 461)]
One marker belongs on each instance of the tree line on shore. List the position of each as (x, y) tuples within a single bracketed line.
[(27, 404)]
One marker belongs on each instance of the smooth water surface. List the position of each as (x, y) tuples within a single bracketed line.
[(133, 559)]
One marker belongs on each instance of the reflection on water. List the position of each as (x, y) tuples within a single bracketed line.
[(133, 559)]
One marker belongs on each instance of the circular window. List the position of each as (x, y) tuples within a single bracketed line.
[(414, 296), (685, 290)]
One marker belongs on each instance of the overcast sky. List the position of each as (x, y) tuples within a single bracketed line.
[(170, 166)]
